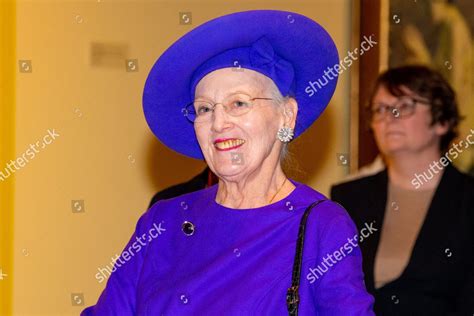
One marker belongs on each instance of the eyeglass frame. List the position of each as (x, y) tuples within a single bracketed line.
[(392, 107), (186, 111)]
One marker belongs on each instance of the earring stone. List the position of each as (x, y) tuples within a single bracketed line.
[(285, 134)]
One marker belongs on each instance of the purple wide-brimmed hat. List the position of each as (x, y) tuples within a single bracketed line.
[(291, 49)]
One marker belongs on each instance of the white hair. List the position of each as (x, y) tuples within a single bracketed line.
[(287, 159), (280, 100)]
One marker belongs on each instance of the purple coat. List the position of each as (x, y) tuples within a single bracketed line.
[(237, 261)]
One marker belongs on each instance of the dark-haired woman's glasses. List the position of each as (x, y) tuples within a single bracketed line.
[(402, 108)]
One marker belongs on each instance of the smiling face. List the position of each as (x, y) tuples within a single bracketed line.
[(411, 134), (251, 138)]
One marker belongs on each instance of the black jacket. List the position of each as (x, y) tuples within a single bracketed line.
[(439, 277)]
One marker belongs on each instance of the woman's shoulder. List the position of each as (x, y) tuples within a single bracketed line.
[(464, 180), (197, 195), (172, 207), (357, 184), (327, 210), (330, 222)]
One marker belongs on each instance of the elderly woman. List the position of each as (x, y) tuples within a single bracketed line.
[(232, 91), (419, 259)]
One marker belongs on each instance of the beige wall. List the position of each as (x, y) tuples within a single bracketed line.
[(105, 154)]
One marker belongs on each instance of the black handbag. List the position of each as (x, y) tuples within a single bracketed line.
[(292, 295)]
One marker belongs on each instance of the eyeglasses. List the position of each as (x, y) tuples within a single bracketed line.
[(402, 108), (235, 105)]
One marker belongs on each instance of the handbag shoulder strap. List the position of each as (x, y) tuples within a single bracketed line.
[(292, 295)]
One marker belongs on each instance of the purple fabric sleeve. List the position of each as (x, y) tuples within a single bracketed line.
[(340, 290)]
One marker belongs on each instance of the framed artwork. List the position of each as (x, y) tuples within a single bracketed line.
[(438, 33)]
